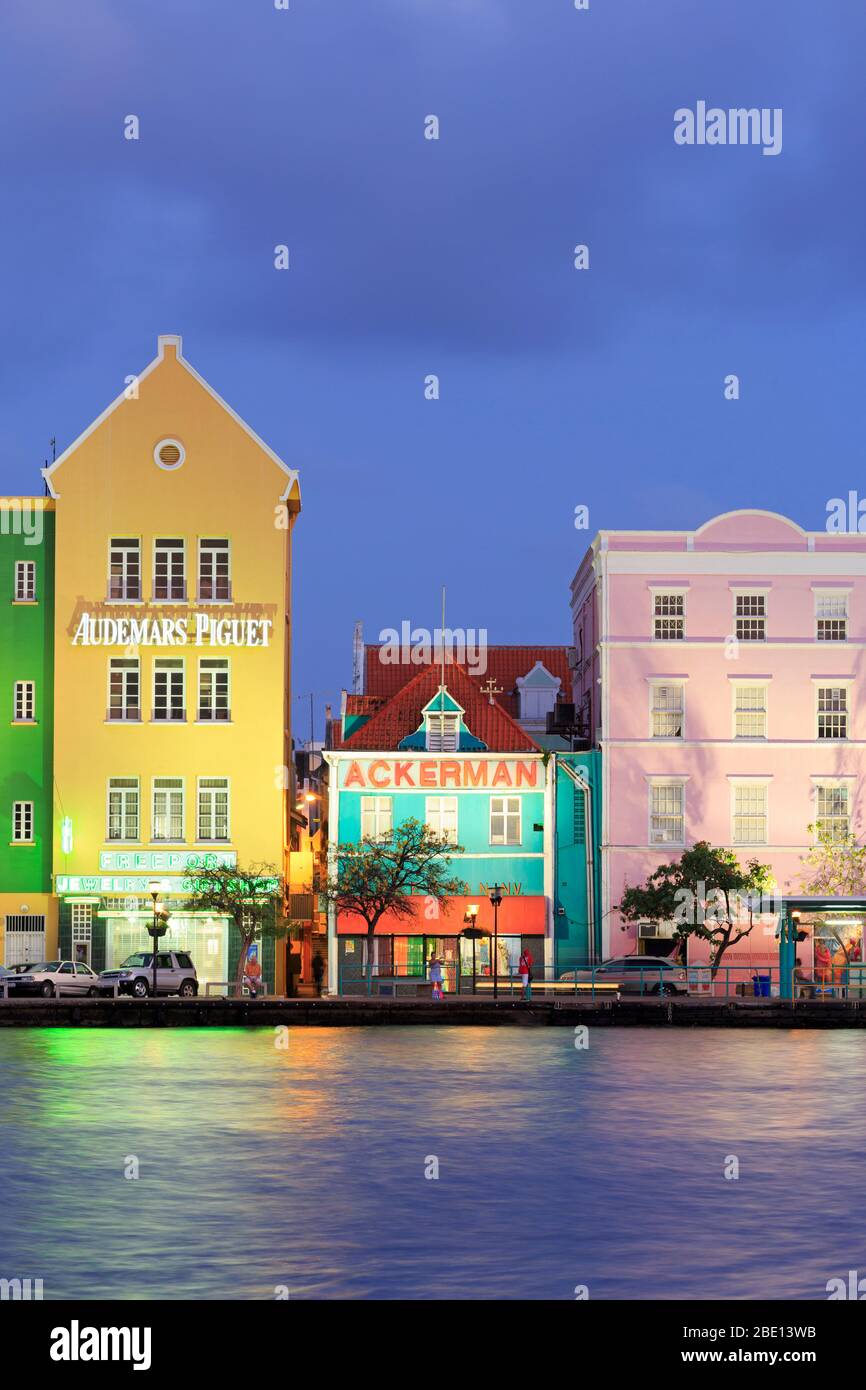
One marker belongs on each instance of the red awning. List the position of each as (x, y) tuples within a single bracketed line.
[(518, 916)]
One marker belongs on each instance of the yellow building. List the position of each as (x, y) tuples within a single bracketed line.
[(172, 650)]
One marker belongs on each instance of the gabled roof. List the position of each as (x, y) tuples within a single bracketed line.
[(174, 343), (503, 664), (401, 715)]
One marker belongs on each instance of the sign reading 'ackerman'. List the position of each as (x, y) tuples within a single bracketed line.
[(442, 772), (194, 630)]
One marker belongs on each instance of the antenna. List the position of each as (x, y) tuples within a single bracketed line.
[(442, 644), (358, 658)]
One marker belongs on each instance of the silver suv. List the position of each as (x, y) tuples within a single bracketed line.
[(175, 974)]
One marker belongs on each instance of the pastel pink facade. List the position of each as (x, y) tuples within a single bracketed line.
[(723, 670)]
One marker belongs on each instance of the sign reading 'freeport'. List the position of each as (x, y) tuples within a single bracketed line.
[(441, 772), (194, 630)]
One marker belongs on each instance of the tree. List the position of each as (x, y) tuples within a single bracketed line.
[(835, 865), (377, 874), (251, 898), (705, 894)]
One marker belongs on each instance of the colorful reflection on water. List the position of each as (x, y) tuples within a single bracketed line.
[(304, 1167)]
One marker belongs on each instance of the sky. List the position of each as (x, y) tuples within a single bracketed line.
[(411, 257)]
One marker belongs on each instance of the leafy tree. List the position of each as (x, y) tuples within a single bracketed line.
[(377, 874), (251, 898), (705, 894), (835, 865)]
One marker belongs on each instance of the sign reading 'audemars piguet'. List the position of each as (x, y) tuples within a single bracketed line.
[(194, 629)]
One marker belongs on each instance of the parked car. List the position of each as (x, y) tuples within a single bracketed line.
[(52, 978), (175, 974), (638, 975)]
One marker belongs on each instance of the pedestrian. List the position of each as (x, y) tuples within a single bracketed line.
[(253, 975), (318, 971), (436, 977), (524, 970)]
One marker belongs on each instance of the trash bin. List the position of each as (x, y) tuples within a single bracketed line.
[(761, 986)]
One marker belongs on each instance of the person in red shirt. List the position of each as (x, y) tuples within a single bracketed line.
[(524, 970)]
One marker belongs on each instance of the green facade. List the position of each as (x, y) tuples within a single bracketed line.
[(26, 654)]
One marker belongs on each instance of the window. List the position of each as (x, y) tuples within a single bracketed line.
[(22, 822), (750, 813), (750, 617), (214, 573), (442, 733), (124, 684), (831, 617), (832, 711), (168, 688), (124, 572), (536, 704), (667, 813), (669, 617), (213, 808), (376, 815), (831, 811), (505, 820), (25, 702), (666, 709), (169, 573), (440, 815), (25, 581), (213, 690), (168, 808), (750, 711), (123, 808)]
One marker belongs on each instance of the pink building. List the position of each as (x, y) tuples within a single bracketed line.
[(722, 672)]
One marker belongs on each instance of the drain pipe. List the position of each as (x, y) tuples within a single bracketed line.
[(586, 791)]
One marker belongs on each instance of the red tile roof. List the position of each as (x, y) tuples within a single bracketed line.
[(364, 704), (504, 664), (401, 715)]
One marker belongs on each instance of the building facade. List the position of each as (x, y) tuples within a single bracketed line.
[(172, 638), (721, 669), (27, 907)]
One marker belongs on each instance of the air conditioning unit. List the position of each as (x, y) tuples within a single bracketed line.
[(654, 931)]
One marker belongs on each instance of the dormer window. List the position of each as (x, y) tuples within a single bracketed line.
[(442, 732)]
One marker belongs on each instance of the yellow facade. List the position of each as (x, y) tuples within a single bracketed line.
[(216, 481)]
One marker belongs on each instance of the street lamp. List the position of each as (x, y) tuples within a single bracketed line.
[(472, 932), (157, 928), (496, 899)]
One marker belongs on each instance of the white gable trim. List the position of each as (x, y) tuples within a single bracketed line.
[(176, 341)]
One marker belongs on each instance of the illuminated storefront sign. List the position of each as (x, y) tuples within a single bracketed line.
[(122, 884), (379, 773), (163, 861), (193, 629)]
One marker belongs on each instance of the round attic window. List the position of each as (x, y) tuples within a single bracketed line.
[(169, 454)]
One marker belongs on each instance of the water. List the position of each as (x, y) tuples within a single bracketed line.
[(557, 1167)]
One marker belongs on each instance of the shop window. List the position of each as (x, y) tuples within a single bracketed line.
[(123, 808), (505, 820), (214, 571), (124, 684), (124, 572), (169, 570)]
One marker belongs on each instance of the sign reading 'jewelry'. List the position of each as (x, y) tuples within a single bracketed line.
[(194, 630)]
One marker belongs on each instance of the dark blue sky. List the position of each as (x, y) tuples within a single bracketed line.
[(411, 257)]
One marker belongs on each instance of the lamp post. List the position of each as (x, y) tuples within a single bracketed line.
[(496, 899), (472, 932), (157, 928)]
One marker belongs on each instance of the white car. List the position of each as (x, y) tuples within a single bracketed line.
[(53, 978)]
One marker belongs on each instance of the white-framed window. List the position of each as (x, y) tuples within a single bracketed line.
[(749, 816), (442, 732), (82, 921), (831, 616), (213, 690), (124, 688), (212, 815), (667, 708), (169, 570), (832, 809), (376, 814), (669, 616), (214, 571), (25, 581), (833, 711), (667, 822), (22, 822), (167, 808), (24, 705), (440, 814), (750, 710), (168, 689), (505, 828), (750, 617), (124, 568), (124, 810)]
